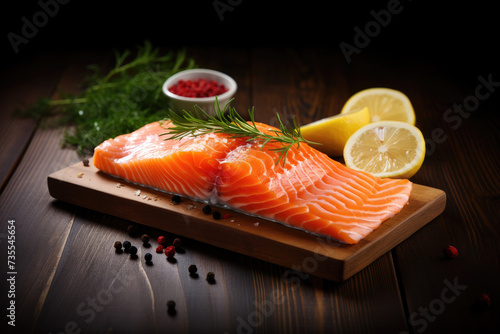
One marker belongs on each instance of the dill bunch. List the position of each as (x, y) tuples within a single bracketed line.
[(124, 99)]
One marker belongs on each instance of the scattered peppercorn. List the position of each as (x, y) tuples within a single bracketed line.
[(132, 250), (207, 209), (192, 269), (148, 257), (450, 252), (159, 249), (210, 277), (132, 230), (177, 242), (171, 307), (118, 245), (176, 199), (85, 162), (126, 245), (226, 216), (162, 240), (485, 299), (145, 238), (170, 251), (216, 215)]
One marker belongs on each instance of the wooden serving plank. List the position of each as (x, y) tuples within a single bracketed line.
[(269, 241)]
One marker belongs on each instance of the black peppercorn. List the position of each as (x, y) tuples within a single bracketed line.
[(207, 209), (176, 199), (126, 245), (192, 269), (177, 242), (148, 257), (216, 215), (171, 308), (210, 277), (118, 245), (132, 230), (145, 238), (85, 162), (132, 250)]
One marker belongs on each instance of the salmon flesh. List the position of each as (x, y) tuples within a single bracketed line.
[(310, 191)]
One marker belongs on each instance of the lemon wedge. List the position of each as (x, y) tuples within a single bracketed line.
[(333, 132), (386, 149), (385, 104)]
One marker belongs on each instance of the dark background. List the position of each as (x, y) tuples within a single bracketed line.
[(459, 38)]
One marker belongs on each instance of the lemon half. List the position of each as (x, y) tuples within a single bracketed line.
[(387, 149), (333, 132), (385, 104)]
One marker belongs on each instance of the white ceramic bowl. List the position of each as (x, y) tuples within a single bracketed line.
[(180, 103)]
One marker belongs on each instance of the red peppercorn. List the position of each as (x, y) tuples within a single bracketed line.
[(159, 249), (170, 251), (485, 299), (198, 88), (450, 252), (226, 216), (162, 240)]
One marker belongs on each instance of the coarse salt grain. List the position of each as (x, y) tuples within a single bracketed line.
[(137, 193)]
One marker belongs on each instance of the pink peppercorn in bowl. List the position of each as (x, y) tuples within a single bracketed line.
[(191, 87)]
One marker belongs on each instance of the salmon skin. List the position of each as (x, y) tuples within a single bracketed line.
[(310, 192)]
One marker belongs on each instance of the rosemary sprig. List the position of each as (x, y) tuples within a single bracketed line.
[(199, 122)]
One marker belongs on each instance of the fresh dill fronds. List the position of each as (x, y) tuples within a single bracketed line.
[(199, 122), (125, 98)]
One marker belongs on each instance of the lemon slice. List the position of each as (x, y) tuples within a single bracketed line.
[(386, 149), (385, 104), (333, 132)]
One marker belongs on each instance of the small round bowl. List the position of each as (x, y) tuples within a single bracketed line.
[(180, 103)]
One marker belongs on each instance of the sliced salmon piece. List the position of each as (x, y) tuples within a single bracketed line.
[(188, 166), (311, 191)]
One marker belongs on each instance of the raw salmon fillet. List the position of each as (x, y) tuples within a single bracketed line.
[(310, 192)]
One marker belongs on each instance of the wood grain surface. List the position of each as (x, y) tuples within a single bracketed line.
[(86, 186), (69, 279)]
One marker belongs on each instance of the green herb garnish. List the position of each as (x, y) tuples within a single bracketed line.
[(126, 98), (199, 122)]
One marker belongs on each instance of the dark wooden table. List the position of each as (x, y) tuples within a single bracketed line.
[(68, 278)]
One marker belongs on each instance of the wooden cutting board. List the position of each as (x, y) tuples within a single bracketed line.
[(259, 238)]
